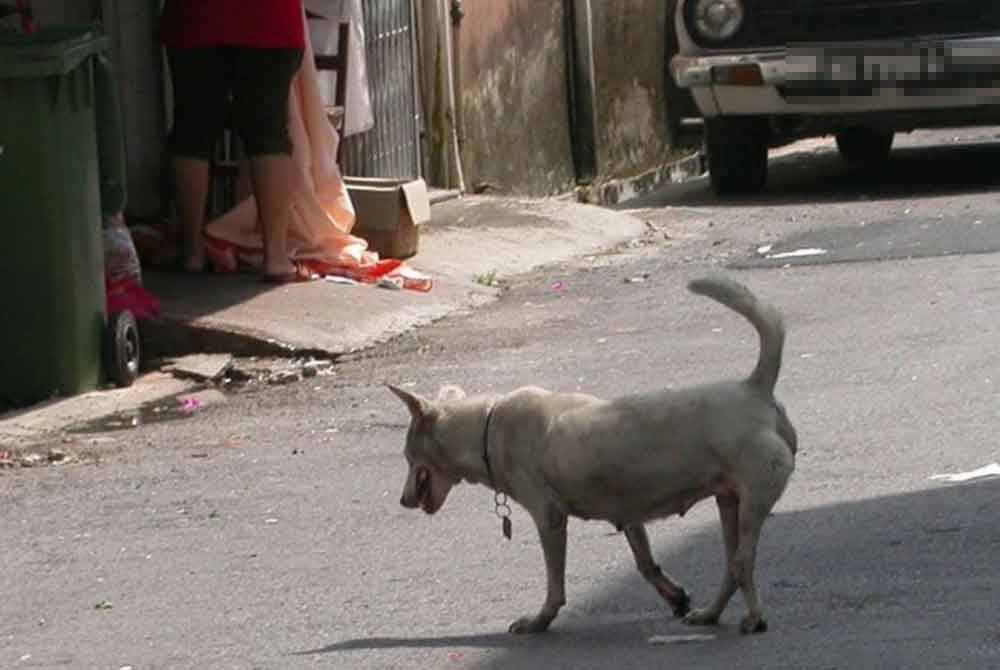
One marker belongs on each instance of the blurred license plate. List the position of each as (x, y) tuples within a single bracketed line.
[(882, 65)]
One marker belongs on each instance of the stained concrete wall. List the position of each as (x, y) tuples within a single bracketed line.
[(629, 71), (512, 66), (132, 26), (515, 114), (134, 29)]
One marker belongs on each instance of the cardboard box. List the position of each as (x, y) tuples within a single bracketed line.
[(389, 213)]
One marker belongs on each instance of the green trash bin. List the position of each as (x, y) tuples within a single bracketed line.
[(51, 254)]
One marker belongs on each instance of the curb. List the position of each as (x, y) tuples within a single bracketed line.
[(169, 338), (519, 234), (616, 191)]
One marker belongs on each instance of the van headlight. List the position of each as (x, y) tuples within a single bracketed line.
[(716, 20)]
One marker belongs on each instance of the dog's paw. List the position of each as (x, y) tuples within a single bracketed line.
[(682, 605), (753, 623), (529, 625), (702, 617)]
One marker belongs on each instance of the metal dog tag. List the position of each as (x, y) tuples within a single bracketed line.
[(503, 510)]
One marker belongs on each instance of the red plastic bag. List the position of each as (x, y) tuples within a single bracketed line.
[(126, 294)]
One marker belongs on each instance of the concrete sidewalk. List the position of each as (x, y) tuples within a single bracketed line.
[(468, 240)]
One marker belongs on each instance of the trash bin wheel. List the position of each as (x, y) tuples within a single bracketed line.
[(122, 349)]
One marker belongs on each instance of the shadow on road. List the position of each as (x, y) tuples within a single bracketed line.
[(497, 641), (903, 581), (822, 177)]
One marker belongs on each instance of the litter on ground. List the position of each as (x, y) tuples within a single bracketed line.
[(798, 253), (991, 470)]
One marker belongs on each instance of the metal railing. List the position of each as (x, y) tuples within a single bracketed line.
[(392, 147)]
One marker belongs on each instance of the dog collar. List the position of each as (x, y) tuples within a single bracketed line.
[(486, 445), (500, 501)]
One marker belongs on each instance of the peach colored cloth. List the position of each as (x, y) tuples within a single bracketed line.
[(322, 214)]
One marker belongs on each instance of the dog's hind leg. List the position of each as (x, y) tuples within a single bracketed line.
[(770, 473), (672, 592), (729, 520), (552, 532)]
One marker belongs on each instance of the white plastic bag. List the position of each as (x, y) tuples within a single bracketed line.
[(121, 261), (323, 35)]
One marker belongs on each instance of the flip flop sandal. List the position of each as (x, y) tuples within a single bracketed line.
[(290, 278), (179, 266), (299, 274)]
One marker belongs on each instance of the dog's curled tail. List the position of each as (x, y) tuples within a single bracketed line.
[(765, 319)]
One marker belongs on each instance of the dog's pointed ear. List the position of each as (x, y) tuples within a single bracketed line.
[(450, 392), (419, 408)]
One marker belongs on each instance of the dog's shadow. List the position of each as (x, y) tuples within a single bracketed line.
[(486, 641), (598, 634), (836, 574)]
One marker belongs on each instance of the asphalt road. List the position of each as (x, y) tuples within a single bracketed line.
[(266, 533)]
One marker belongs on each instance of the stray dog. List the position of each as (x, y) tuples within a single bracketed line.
[(627, 461)]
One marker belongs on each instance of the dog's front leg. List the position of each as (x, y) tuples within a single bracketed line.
[(552, 532)]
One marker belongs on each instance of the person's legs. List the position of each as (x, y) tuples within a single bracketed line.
[(191, 184), (200, 97), (261, 92), (272, 184)]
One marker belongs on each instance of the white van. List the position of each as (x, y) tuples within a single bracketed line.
[(767, 72)]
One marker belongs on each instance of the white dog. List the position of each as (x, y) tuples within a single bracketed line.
[(627, 461)]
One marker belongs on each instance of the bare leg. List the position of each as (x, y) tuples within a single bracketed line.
[(272, 184), (244, 184), (672, 592), (553, 536), (191, 184), (729, 519)]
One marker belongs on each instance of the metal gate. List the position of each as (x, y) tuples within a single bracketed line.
[(392, 147)]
